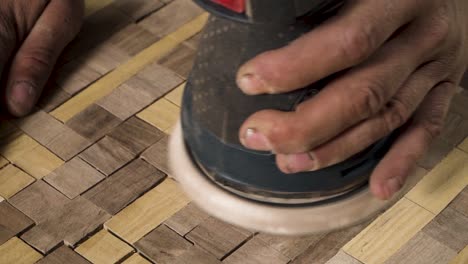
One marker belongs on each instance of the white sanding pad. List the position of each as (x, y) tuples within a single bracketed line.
[(263, 217)]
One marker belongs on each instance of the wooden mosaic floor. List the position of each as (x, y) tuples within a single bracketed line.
[(85, 179)]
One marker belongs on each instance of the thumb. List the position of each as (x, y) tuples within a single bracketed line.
[(35, 59)]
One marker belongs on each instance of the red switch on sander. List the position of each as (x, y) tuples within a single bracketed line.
[(242, 186)]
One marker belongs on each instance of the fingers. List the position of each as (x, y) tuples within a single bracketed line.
[(33, 63), (356, 139), (340, 43), (356, 96), (391, 173)]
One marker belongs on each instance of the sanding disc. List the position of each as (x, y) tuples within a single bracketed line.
[(264, 217)]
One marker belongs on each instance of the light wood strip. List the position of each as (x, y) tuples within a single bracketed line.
[(108, 83), (136, 259), (104, 248), (175, 96), (462, 257), (441, 185), (13, 180), (389, 232), (17, 144), (162, 114), (17, 252), (464, 145), (92, 6), (3, 162), (38, 162), (147, 212)]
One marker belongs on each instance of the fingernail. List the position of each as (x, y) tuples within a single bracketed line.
[(21, 93), (251, 84), (255, 140), (393, 185), (301, 162)]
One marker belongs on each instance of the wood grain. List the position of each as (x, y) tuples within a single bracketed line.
[(136, 135), (136, 259), (148, 212), (175, 96), (443, 183), (63, 255), (180, 60), (343, 258), (460, 203), (132, 39), (290, 247), (68, 144), (52, 96), (74, 177), (162, 245), (461, 258), (38, 162), (107, 155), (123, 187), (422, 249), (70, 225), (256, 251), (217, 237), (196, 255), (156, 155), (104, 248), (75, 76), (112, 80), (389, 232), (41, 127), (15, 144), (13, 180), (3, 162), (12, 222), (18, 252), (94, 122), (162, 114), (186, 219), (450, 228)]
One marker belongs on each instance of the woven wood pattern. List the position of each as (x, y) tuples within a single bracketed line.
[(84, 179)]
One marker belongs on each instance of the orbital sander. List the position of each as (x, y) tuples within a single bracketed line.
[(242, 186)]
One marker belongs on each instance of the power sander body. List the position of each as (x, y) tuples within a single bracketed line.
[(214, 108)]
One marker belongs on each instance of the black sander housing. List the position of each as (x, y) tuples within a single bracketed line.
[(214, 109)]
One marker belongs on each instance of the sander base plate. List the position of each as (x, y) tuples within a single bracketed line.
[(263, 217)]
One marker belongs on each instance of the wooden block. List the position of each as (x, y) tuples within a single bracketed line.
[(105, 58), (171, 17), (74, 177), (136, 135), (75, 76), (91, 6), (217, 237), (438, 150), (124, 72), (39, 200), (256, 251), (175, 96), (156, 155), (147, 212), (78, 219), (162, 114), (12, 222), (194, 41), (389, 232), (290, 247), (94, 122), (18, 252), (136, 259), (63, 255), (123, 187), (422, 249), (162, 245), (186, 219), (52, 96), (161, 77), (132, 39), (68, 144), (13, 180), (450, 228), (343, 258), (137, 9), (464, 145), (455, 129), (460, 203), (41, 126), (327, 247), (103, 247), (38, 162), (196, 255), (461, 258), (107, 155), (16, 144), (180, 60), (443, 183), (3, 162)]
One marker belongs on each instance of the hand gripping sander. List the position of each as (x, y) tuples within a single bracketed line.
[(242, 186)]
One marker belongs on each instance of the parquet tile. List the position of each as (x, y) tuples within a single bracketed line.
[(343, 258), (136, 259), (13, 180), (12, 222), (162, 114), (460, 203), (18, 252), (157, 155), (186, 219), (63, 255), (464, 145), (256, 251), (104, 248), (461, 258)]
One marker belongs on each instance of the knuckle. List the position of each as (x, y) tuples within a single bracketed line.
[(357, 43), (39, 57), (432, 128), (370, 99)]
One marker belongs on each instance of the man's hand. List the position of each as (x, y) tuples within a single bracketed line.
[(32, 36), (404, 60)]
